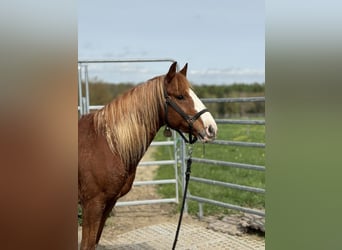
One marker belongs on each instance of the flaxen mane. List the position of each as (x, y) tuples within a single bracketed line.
[(128, 120)]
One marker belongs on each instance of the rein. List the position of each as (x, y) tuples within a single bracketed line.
[(192, 139)]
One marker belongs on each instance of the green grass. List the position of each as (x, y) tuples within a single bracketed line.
[(256, 156)]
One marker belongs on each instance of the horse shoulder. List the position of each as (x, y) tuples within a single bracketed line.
[(100, 171)]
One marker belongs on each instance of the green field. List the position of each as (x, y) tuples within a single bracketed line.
[(256, 156)]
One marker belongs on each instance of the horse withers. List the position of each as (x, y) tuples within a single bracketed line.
[(112, 141)]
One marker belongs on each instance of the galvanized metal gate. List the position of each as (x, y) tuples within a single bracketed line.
[(215, 162)]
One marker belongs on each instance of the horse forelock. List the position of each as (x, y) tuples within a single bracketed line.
[(180, 83), (129, 120)]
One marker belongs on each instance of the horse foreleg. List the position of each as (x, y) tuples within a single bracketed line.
[(92, 213), (108, 208), (110, 204)]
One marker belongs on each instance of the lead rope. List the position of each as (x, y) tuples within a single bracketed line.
[(192, 139), (187, 178)]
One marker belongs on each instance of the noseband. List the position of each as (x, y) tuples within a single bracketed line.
[(189, 119)]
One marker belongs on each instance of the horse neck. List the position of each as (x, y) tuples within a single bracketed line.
[(148, 107), (131, 121)]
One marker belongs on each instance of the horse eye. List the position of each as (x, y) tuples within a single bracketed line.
[(180, 97)]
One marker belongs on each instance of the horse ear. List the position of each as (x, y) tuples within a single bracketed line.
[(184, 69), (172, 72)]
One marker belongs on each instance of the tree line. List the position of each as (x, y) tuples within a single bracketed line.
[(101, 93)]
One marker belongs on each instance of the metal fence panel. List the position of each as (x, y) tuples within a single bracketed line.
[(213, 162), (226, 205), (227, 184), (229, 164)]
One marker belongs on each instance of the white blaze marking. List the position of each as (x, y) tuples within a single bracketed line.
[(206, 117)]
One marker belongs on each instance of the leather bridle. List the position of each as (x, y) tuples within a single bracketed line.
[(189, 119)]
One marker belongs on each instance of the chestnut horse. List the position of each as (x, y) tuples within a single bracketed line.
[(112, 141)]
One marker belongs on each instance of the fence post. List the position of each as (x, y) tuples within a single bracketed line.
[(87, 103), (176, 156), (80, 101), (183, 146)]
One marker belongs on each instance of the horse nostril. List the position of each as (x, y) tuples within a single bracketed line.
[(211, 130)]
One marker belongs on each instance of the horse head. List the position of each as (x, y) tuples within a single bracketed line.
[(184, 111)]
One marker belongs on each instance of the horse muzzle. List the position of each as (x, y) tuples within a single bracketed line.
[(208, 134)]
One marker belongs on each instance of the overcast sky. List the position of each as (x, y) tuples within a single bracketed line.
[(223, 41)]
